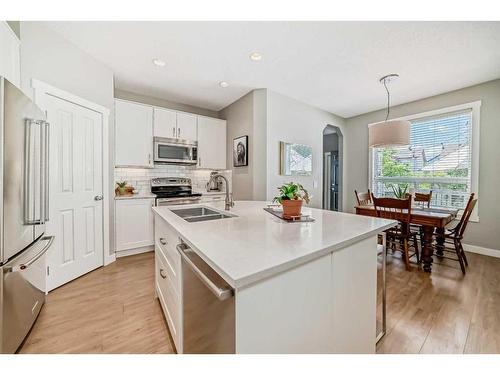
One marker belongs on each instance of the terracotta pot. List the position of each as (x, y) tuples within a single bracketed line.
[(292, 207)]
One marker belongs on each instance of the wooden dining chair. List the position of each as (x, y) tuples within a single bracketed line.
[(453, 237), (363, 199), (399, 236), (423, 199)]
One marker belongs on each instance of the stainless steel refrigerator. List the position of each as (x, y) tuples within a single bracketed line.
[(24, 209)]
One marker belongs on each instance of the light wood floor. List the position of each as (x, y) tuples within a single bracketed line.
[(114, 310), (110, 310), (444, 312)]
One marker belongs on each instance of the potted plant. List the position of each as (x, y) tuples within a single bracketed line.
[(291, 197), (400, 191), (122, 187)]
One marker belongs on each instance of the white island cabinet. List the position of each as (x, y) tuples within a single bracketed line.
[(294, 287)]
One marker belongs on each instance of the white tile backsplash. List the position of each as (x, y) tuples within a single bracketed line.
[(140, 178)]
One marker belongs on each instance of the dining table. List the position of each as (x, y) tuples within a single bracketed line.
[(433, 221)]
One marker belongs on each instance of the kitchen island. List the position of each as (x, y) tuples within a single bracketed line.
[(295, 287)]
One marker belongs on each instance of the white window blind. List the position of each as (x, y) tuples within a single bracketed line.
[(439, 158)]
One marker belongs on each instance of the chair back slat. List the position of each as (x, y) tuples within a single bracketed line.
[(363, 199), (464, 220), (393, 208), (423, 198)]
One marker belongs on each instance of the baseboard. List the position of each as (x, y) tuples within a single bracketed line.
[(126, 253), (108, 259), (482, 250)]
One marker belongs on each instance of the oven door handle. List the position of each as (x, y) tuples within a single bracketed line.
[(177, 201)]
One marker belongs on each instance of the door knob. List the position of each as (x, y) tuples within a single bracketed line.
[(98, 198)]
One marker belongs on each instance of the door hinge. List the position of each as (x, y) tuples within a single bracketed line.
[(48, 271)]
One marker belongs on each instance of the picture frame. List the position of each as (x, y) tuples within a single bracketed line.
[(240, 151)]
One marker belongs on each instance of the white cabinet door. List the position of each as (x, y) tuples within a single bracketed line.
[(133, 223), (165, 123), (9, 54), (187, 126), (133, 134), (211, 143)]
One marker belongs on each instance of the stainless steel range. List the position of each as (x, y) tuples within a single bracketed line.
[(173, 191)]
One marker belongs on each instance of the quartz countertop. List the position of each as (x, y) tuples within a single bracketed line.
[(256, 244), (135, 196)]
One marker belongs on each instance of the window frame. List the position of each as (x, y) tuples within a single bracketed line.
[(475, 107)]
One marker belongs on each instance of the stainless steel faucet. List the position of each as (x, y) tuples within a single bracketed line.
[(229, 198)]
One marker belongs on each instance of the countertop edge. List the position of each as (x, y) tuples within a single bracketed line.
[(245, 281)]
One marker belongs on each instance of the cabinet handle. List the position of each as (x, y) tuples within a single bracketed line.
[(199, 162), (162, 274), (173, 131), (163, 241), (178, 132), (149, 159)]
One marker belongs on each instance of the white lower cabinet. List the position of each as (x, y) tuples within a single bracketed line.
[(134, 223), (168, 278)]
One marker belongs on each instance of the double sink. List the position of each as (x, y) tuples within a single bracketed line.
[(196, 214)]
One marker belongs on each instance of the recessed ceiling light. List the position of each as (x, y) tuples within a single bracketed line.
[(223, 84), (255, 56), (159, 62)]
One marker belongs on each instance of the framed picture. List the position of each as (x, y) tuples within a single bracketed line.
[(240, 151)]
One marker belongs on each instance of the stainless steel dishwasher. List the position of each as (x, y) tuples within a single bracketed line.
[(208, 307)]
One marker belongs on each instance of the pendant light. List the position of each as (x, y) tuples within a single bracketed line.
[(389, 132)]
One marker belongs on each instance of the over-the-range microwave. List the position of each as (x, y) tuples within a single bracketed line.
[(175, 151)]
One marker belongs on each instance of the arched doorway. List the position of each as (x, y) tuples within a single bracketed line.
[(332, 168)]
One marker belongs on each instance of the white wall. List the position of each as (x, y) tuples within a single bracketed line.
[(48, 57), (486, 232), (292, 121), (239, 118)]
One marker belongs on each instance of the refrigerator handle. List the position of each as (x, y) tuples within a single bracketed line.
[(46, 171), (32, 158), (27, 171)]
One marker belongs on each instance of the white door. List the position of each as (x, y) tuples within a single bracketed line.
[(211, 143), (133, 134), (165, 123), (187, 126), (76, 211)]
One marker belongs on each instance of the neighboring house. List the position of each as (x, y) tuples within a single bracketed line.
[(413, 156)]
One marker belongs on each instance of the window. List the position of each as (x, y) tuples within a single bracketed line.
[(442, 157)]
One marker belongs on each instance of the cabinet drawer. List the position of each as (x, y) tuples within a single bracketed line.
[(167, 240), (169, 301), (171, 271)]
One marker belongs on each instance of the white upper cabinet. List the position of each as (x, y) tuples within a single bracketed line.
[(172, 124), (9, 54), (211, 143), (165, 123), (187, 126), (133, 134)]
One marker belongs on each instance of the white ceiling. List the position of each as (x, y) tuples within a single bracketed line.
[(331, 65)]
